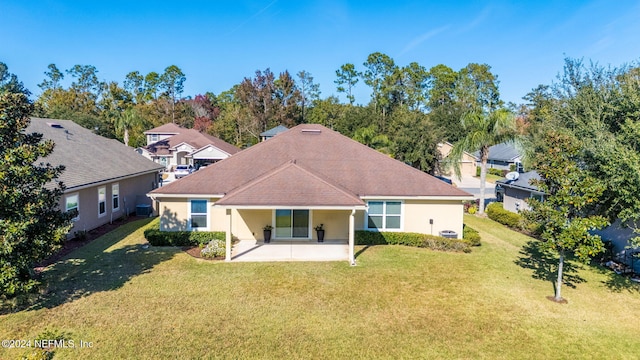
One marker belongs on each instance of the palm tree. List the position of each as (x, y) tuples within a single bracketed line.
[(126, 121), (482, 130)]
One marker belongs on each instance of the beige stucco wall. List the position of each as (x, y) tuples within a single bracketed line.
[(446, 215), (132, 192), (248, 224)]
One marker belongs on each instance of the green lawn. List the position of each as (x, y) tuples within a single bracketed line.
[(399, 302), (492, 178)]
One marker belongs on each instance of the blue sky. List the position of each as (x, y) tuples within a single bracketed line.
[(218, 43)]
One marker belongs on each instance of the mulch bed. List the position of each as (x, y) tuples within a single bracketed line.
[(70, 245)]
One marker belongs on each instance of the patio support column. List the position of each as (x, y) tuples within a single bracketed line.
[(352, 258), (227, 256)]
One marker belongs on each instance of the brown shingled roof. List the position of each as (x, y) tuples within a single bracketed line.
[(169, 128), (192, 137), (290, 185), (332, 157)]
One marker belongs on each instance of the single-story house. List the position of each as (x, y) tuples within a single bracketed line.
[(467, 163), (272, 132), (104, 179), (171, 145), (304, 177), (502, 157), (514, 193)]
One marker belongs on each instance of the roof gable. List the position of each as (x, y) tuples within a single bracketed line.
[(194, 139), (340, 161), (169, 128), (274, 189)]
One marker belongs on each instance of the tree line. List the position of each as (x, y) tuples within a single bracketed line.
[(410, 110)]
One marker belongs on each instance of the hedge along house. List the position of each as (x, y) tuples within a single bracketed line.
[(104, 179), (304, 177)]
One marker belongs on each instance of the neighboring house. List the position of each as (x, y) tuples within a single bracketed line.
[(104, 179), (514, 193), (467, 164), (272, 132), (306, 176), (171, 145), (502, 156)]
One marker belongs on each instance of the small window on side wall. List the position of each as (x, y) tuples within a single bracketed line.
[(115, 196), (72, 203), (198, 214), (102, 201)]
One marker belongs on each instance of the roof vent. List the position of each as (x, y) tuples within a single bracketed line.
[(311, 131), (55, 125)]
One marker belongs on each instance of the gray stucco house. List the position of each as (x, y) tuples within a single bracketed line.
[(514, 193), (104, 179)]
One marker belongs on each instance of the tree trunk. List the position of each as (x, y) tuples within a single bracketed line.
[(559, 282), (126, 136), (484, 157)]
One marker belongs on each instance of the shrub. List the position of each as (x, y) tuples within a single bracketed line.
[(471, 236), (496, 212), (410, 239), (478, 169), (471, 204), (214, 249), (156, 237), (496, 172)]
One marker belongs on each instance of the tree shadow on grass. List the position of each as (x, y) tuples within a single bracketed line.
[(617, 282), (545, 265), (95, 267)]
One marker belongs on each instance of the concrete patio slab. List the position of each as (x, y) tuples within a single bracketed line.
[(290, 250)]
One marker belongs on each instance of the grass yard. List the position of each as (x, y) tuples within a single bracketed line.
[(492, 178), (399, 302)]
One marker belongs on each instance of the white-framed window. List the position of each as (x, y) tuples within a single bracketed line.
[(198, 214), (115, 197), (384, 215), (72, 202), (153, 138), (102, 201)]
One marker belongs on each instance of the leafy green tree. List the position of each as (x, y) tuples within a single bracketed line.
[(31, 225), (415, 139), (372, 138), (327, 112), (172, 81), (347, 79), (481, 131), (9, 82), (477, 88), (309, 92), (127, 120), (379, 76), (54, 77), (568, 214), (134, 84), (286, 97), (152, 82)]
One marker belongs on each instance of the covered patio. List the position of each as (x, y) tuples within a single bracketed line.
[(290, 250)]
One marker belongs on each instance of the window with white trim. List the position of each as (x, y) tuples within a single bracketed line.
[(115, 197), (102, 201), (71, 203), (153, 138), (384, 215), (198, 214)]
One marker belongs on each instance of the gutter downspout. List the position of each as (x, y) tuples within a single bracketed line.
[(352, 258)]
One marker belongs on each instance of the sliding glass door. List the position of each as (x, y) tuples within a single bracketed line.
[(292, 223)]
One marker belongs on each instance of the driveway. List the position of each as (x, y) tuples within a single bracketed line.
[(471, 185)]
